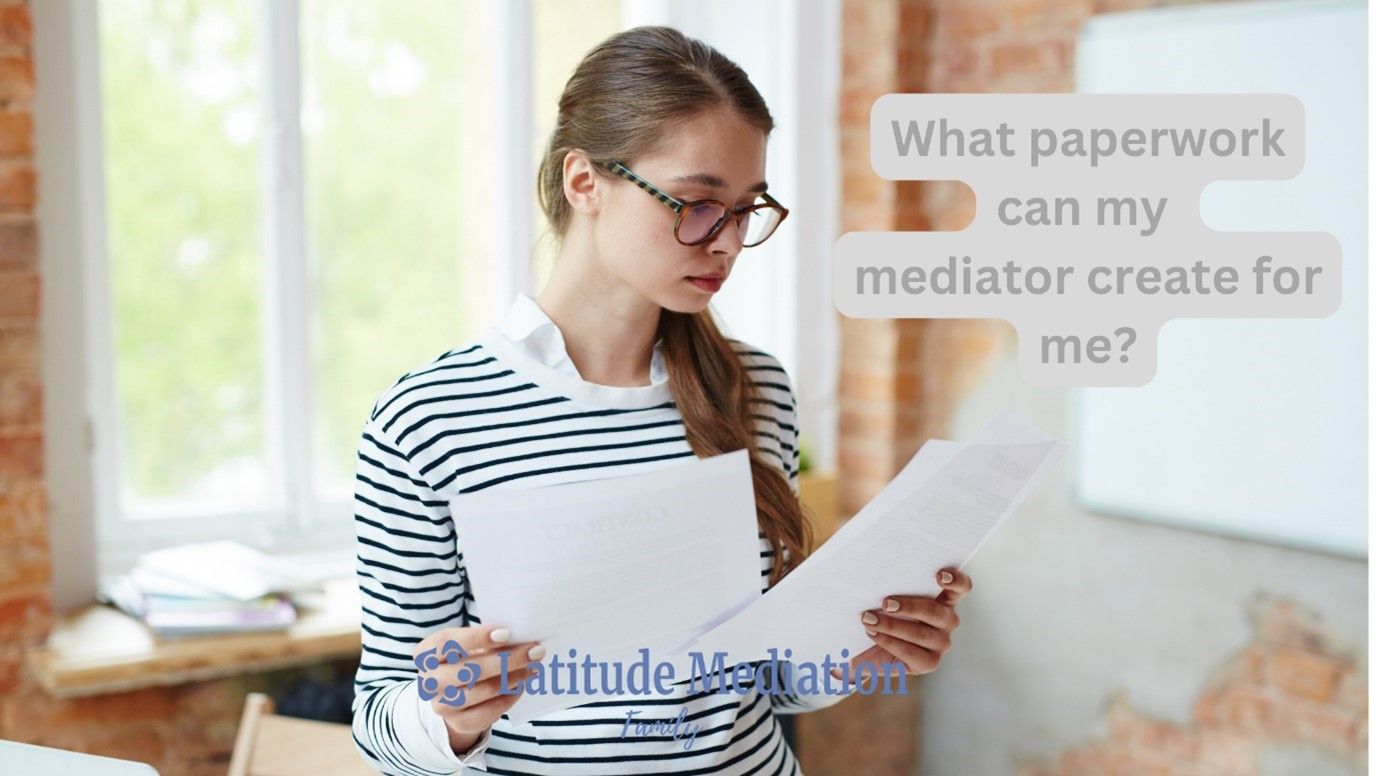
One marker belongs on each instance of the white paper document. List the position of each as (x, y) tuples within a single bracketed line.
[(937, 511), (607, 567), (669, 561)]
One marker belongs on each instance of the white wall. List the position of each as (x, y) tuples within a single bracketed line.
[(1068, 606), (1259, 414)]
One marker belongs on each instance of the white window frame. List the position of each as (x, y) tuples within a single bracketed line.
[(804, 330)]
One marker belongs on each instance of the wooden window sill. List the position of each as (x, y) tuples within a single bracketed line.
[(100, 649)]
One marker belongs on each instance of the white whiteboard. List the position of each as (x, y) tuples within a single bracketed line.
[(1251, 427)]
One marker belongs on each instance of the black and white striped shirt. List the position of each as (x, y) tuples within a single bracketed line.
[(508, 410)]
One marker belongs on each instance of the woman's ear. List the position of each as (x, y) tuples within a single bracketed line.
[(583, 185)]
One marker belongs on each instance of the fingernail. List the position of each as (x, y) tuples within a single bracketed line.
[(536, 652), (869, 618), (499, 635), (892, 605), (944, 577), (870, 631)]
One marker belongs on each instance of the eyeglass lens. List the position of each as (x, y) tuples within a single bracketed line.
[(698, 220)]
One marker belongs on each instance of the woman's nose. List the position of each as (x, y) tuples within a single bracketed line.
[(729, 237)]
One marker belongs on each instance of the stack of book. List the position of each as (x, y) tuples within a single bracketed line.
[(210, 588)]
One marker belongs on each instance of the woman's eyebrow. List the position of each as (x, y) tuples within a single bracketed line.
[(713, 181)]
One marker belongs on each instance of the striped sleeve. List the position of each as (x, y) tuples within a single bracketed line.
[(779, 398), (411, 583)]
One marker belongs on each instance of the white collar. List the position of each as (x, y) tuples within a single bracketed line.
[(529, 334)]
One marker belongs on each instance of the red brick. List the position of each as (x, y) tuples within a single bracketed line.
[(208, 767), (138, 707), (868, 422), (969, 20), (870, 458), (956, 57), (11, 670), (957, 217), (25, 616), (865, 217), (1026, 57), (20, 350), (1208, 708), (1112, 6), (867, 387), (854, 109), (179, 730), (1328, 727), (1352, 693), (1304, 674), (24, 567), (16, 27), (18, 186), (913, 70), (868, 14), (1248, 666), (865, 186), (1249, 710), (1025, 15), (16, 80), (21, 456), (1226, 752), (21, 400), (205, 740), (1126, 762), (213, 699), (1168, 740), (970, 83), (16, 134), (24, 515), (1029, 14), (869, 343), (18, 243), (144, 744), (19, 295)]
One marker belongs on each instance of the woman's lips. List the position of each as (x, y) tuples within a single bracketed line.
[(708, 284)]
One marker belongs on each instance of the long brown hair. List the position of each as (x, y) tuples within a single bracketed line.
[(625, 97)]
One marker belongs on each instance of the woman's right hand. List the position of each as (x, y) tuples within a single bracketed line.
[(443, 672)]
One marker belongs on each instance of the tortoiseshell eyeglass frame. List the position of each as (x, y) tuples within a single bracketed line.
[(680, 206)]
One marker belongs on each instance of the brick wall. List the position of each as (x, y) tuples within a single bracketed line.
[(902, 379), (1289, 687), (187, 729), (25, 610)]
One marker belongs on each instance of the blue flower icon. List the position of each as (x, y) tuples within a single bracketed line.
[(451, 695)]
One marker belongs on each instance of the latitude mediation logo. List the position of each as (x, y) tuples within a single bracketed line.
[(776, 675)]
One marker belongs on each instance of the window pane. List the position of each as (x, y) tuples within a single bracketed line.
[(563, 32), (181, 120), (396, 116)]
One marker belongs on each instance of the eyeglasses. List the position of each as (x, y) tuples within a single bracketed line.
[(697, 222)]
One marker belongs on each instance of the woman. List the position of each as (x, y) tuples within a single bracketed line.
[(617, 367)]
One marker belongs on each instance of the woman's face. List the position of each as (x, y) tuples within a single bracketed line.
[(716, 155)]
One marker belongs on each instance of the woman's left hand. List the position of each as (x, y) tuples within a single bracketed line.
[(914, 630)]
